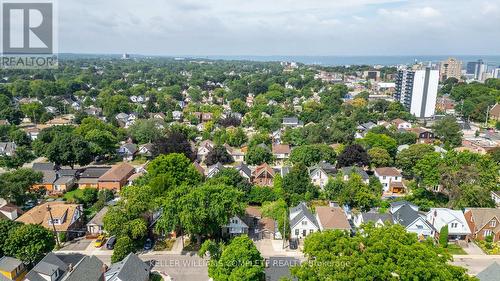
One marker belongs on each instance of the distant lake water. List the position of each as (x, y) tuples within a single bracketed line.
[(493, 61)]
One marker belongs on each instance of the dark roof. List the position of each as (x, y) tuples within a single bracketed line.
[(44, 166), (129, 269), (405, 215), (291, 120), (491, 273), (47, 266), (376, 216), (94, 172), (98, 218), (303, 211), (244, 168), (326, 167), (88, 269), (67, 172), (9, 264), (353, 169)]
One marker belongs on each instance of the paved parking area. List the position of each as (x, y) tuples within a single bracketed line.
[(80, 244)]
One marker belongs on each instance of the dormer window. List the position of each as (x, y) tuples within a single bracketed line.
[(493, 223), (55, 221)]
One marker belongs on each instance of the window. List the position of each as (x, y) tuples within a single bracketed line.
[(296, 232), (304, 222), (493, 223), (454, 225), (420, 226), (384, 177), (487, 233)]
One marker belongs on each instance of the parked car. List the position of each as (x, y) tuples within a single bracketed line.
[(294, 244), (99, 241), (148, 245), (110, 245)]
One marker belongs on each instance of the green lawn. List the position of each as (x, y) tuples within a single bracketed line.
[(72, 195), (455, 250)]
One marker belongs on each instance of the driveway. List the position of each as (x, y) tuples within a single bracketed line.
[(473, 249), (76, 245)]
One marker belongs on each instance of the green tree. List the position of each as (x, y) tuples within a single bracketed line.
[(408, 158), (379, 157), (257, 155), (278, 210), (448, 131), (16, 184), (34, 110), (443, 236), (372, 140), (237, 105), (6, 226), (375, 253), (218, 154), (240, 260), (29, 243), (69, 149), (313, 154), (427, 170), (353, 155), (145, 131), (124, 246), (297, 185)]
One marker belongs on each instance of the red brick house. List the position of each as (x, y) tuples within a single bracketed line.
[(263, 175), (483, 222)]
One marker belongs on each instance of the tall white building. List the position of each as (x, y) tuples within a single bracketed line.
[(496, 72), (417, 91), (476, 69)]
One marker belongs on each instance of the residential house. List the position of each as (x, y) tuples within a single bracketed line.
[(55, 267), (263, 175), (204, 148), (127, 151), (458, 229), (401, 124), (495, 195), (237, 154), (65, 218), (302, 221), (131, 268), (96, 226), (158, 116), (348, 171), (373, 216), (11, 269), (331, 218), (235, 227), (260, 227), (89, 177), (93, 111), (395, 206), (391, 180), (490, 273), (9, 211), (276, 137), (320, 173), (244, 171), (146, 150), (483, 222), (116, 177), (48, 179), (177, 115), (206, 117), (281, 152), (495, 112), (414, 221), (423, 135), (291, 122), (477, 145), (51, 110), (362, 129), (214, 169), (32, 132), (63, 184), (7, 148)]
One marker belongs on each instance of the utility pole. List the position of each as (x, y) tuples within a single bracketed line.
[(53, 226), (284, 228), (487, 115)]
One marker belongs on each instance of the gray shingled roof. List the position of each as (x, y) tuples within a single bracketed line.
[(244, 168), (406, 215), (353, 169), (491, 273), (132, 268), (9, 264), (303, 211), (376, 216), (88, 269)]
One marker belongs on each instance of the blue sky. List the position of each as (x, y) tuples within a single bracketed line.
[(280, 27)]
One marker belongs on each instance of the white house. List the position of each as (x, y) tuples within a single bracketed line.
[(401, 124), (458, 229), (177, 115), (374, 216), (413, 221), (495, 195), (320, 173), (214, 170), (302, 221), (204, 148), (235, 227), (391, 179), (281, 152)]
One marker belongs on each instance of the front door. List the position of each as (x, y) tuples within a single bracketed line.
[(304, 233)]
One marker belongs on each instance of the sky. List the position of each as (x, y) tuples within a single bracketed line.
[(280, 27)]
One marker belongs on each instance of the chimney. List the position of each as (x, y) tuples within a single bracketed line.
[(104, 268), (70, 267)]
